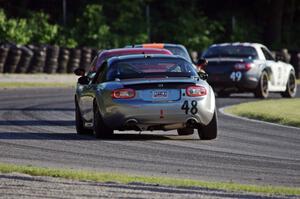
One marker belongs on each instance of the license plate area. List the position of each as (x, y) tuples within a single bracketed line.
[(160, 94)]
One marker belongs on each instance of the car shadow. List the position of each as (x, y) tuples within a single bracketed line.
[(88, 137), (143, 137), (42, 136), (37, 123), (37, 109)]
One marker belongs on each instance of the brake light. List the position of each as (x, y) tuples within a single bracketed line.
[(124, 93), (196, 91), (243, 66)]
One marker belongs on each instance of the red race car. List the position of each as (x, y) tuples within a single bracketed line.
[(106, 54)]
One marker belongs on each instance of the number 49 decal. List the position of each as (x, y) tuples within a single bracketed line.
[(192, 107), (236, 76)]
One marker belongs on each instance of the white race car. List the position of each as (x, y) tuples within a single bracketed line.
[(248, 67)]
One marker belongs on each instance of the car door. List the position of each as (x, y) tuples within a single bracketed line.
[(89, 93), (85, 101), (276, 78), (86, 93)]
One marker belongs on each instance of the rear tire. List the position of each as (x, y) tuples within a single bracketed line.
[(185, 131), (262, 90), (100, 128), (291, 87), (210, 131), (79, 123)]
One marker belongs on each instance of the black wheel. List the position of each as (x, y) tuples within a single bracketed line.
[(262, 90), (223, 94), (80, 129), (210, 131), (185, 131), (291, 86), (100, 128)]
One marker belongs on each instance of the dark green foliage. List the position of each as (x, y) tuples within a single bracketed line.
[(91, 28), (182, 22), (127, 22), (42, 31), (116, 23), (35, 29), (14, 30)]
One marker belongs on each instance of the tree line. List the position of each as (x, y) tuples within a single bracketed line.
[(116, 23)]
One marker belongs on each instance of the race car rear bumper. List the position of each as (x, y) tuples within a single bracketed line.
[(223, 82), (158, 115)]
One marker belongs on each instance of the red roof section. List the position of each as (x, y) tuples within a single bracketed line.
[(104, 55)]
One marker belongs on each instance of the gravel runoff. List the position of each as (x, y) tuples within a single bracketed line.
[(16, 185)]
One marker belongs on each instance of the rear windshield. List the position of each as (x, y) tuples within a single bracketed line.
[(179, 51), (231, 51), (150, 67)]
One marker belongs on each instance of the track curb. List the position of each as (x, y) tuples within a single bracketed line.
[(222, 110)]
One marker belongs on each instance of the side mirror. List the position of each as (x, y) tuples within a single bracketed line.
[(84, 80), (201, 63), (79, 72), (203, 75)]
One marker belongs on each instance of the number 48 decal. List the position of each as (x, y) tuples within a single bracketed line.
[(193, 109)]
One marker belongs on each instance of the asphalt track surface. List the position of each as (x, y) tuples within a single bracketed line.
[(37, 128)]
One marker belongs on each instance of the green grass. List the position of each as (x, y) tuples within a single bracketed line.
[(33, 84), (123, 178), (282, 111)]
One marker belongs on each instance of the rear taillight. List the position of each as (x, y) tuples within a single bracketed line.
[(196, 91), (243, 66), (124, 93)]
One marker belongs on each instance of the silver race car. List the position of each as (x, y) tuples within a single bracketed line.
[(145, 93)]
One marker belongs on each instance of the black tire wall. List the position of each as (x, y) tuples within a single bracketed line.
[(74, 61), (25, 60), (86, 58), (3, 55), (38, 61), (12, 60), (63, 60), (52, 55)]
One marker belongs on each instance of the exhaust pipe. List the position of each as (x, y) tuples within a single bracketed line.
[(132, 125), (191, 123)]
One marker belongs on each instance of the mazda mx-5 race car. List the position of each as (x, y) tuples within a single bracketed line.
[(176, 49), (106, 54), (145, 92), (248, 67)]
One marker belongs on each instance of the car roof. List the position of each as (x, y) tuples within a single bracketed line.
[(237, 44), (105, 54), (118, 51), (157, 45), (145, 56), (168, 46)]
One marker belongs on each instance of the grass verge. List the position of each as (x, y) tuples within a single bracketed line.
[(123, 178), (283, 111), (34, 84)]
